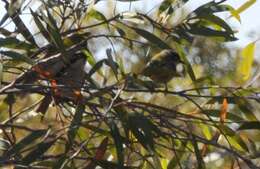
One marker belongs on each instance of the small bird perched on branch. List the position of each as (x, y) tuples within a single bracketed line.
[(164, 66)]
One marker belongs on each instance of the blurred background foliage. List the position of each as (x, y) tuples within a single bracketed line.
[(73, 95)]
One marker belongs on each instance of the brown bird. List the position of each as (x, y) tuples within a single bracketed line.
[(164, 66)]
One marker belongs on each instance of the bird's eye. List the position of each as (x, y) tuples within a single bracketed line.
[(179, 68)]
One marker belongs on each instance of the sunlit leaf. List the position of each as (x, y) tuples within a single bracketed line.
[(164, 163), (244, 66), (206, 131), (235, 14), (218, 21), (237, 142), (95, 14), (245, 6)]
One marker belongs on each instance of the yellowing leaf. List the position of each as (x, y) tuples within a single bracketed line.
[(235, 14), (245, 64), (223, 112), (164, 163), (245, 6)]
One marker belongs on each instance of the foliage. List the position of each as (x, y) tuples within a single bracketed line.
[(64, 106)]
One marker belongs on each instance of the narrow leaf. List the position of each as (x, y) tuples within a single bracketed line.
[(96, 14), (118, 143), (17, 56), (13, 43), (223, 112), (244, 66), (76, 121), (250, 125), (39, 150), (151, 38), (245, 6), (25, 142)]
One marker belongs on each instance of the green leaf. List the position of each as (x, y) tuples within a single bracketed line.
[(200, 161), (40, 26), (144, 130), (76, 122), (244, 66), (246, 108), (13, 43), (165, 5), (4, 144), (108, 164), (5, 17), (27, 140), (111, 63), (234, 13), (1, 74), (250, 125), (210, 8), (53, 31), (177, 157), (39, 150), (118, 143), (218, 21), (230, 116), (206, 131), (5, 32), (237, 142), (96, 67), (187, 63), (96, 14), (92, 61), (90, 58), (21, 27), (17, 56), (157, 162), (151, 38), (198, 29)]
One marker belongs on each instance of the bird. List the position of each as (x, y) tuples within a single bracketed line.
[(164, 66)]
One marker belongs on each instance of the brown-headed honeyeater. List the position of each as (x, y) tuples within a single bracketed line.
[(163, 66)]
